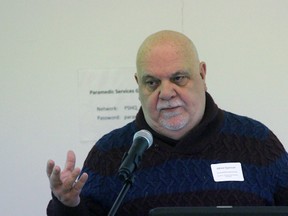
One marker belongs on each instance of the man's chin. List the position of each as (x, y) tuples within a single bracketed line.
[(173, 126)]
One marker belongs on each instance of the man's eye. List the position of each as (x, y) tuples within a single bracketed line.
[(152, 84), (180, 80)]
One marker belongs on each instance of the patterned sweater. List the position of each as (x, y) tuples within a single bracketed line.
[(178, 172)]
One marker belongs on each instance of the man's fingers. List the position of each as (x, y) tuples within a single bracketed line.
[(73, 183), (55, 177), (70, 161), (49, 167), (69, 182), (81, 182)]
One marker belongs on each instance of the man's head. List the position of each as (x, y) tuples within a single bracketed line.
[(171, 83)]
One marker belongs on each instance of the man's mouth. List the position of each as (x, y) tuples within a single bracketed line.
[(170, 112), (170, 108), (169, 105)]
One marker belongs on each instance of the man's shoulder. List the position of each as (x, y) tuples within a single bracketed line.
[(243, 125)]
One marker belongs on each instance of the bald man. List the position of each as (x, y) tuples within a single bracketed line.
[(201, 155), (171, 84)]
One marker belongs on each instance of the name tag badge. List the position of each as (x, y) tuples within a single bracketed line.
[(227, 172)]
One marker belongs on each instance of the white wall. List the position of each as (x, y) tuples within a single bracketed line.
[(43, 43)]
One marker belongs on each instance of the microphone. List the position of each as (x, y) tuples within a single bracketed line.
[(142, 140)]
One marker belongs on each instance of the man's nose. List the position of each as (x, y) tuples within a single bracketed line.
[(166, 90)]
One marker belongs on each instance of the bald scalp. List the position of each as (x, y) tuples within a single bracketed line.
[(184, 45)]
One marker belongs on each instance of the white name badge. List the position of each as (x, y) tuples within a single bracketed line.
[(227, 172)]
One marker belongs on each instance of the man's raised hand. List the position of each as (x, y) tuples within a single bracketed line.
[(64, 184)]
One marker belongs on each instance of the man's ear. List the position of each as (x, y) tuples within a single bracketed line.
[(203, 73), (136, 78), (203, 70)]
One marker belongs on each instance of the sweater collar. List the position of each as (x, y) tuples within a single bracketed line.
[(209, 124)]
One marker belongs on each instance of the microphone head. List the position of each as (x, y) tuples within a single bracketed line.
[(144, 134)]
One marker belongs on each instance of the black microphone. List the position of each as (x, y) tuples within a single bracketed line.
[(142, 140)]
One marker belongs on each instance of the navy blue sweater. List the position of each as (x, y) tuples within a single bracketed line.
[(178, 172)]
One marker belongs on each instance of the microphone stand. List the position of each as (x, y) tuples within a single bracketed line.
[(127, 184)]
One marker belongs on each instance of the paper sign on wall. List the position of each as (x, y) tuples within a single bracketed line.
[(108, 99)]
